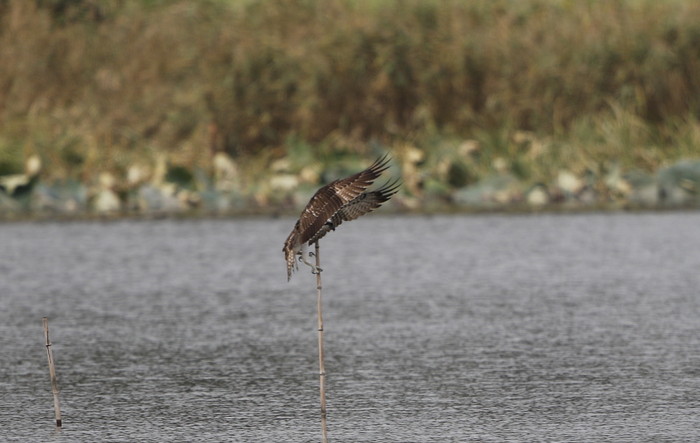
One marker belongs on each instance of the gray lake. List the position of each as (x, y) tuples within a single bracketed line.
[(438, 329)]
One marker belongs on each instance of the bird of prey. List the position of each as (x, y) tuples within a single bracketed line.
[(342, 200)]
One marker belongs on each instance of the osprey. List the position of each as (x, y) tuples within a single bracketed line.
[(342, 200)]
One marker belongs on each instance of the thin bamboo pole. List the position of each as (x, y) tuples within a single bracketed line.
[(321, 365), (52, 373)]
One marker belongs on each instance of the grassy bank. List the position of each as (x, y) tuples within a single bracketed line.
[(461, 90)]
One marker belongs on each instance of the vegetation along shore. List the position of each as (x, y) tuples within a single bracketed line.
[(222, 106)]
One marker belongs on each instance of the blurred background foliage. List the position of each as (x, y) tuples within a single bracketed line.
[(463, 88)]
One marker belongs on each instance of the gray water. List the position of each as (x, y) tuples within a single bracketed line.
[(438, 329)]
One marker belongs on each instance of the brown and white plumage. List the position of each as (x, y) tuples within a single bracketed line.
[(338, 201)]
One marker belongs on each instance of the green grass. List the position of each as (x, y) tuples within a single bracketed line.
[(542, 85)]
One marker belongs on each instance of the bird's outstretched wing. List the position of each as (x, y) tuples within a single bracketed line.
[(329, 199), (360, 205)]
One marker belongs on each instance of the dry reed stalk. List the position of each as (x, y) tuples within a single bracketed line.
[(52, 372), (321, 365)]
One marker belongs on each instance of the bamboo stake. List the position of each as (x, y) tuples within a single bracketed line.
[(52, 373), (321, 366)]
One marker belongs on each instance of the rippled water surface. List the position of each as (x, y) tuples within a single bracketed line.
[(449, 328)]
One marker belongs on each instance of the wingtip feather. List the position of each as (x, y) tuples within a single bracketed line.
[(390, 188), (381, 164)]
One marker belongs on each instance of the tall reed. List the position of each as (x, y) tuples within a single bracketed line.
[(52, 373), (321, 363)]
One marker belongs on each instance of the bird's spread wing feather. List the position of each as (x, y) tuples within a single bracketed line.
[(361, 205), (335, 195)]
